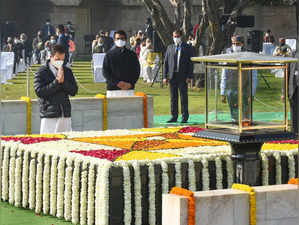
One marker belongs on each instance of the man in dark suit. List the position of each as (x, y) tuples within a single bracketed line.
[(48, 30), (63, 40), (178, 71), (293, 89)]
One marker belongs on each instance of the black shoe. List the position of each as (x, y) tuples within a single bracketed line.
[(172, 120), (184, 121)]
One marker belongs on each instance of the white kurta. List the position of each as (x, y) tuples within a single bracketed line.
[(55, 125), (120, 93)]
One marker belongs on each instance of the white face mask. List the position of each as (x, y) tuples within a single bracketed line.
[(100, 44), (237, 48), (177, 40), (53, 42), (120, 43), (57, 63)]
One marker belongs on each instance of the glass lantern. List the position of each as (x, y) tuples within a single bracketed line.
[(246, 91)]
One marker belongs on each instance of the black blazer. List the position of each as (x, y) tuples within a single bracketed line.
[(185, 64)]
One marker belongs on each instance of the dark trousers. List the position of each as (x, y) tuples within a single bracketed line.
[(176, 85), (294, 112)]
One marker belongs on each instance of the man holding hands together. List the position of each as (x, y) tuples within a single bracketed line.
[(53, 83)]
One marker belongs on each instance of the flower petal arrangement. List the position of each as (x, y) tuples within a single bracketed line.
[(118, 176)]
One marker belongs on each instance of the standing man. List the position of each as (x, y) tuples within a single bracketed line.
[(37, 46), (48, 30), (121, 68), (229, 85), (178, 71), (63, 40), (293, 83), (53, 83)]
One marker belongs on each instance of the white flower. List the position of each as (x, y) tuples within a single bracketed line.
[(138, 195), (60, 187), (75, 192), (39, 184), (83, 192), (91, 195), (219, 176), (165, 180), (178, 175), (191, 176), (152, 193), (205, 175), (265, 169), (46, 185), (291, 165), (53, 187), (68, 190), (127, 194), (12, 167), (18, 179), (32, 174), (277, 157), (5, 173), (25, 179)]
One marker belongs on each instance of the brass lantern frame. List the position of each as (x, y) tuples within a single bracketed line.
[(245, 61)]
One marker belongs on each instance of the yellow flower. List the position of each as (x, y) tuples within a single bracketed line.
[(279, 147), (141, 155)]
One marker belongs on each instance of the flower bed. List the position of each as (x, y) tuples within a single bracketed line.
[(118, 177)]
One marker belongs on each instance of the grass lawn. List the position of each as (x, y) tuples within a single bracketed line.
[(270, 97)]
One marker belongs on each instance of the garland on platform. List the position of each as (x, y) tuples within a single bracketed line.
[(191, 202), (145, 116), (252, 200), (105, 110), (293, 181), (28, 102)]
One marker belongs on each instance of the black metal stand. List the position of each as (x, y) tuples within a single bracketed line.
[(246, 149)]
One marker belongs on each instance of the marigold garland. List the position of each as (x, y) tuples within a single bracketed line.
[(145, 116), (191, 202), (252, 200), (28, 102), (141, 155), (105, 110), (293, 181)]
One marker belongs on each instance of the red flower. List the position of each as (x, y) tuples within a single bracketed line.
[(284, 142), (29, 140), (103, 154), (190, 129)]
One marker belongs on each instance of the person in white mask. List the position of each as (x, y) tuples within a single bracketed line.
[(178, 71), (53, 84), (229, 83), (121, 68)]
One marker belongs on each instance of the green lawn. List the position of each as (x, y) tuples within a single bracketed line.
[(87, 88)]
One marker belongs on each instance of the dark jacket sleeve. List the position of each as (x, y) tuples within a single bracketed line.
[(136, 69), (166, 66), (42, 89), (107, 71), (69, 85)]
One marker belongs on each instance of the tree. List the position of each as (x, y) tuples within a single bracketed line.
[(211, 18)]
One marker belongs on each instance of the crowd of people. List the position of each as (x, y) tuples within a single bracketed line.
[(37, 51)]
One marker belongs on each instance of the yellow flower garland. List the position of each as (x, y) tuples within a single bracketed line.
[(141, 155), (279, 147), (252, 200), (145, 116), (105, 110), (28, 101)]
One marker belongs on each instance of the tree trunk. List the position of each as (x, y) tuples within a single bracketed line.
[(161, 22), (187, 17)]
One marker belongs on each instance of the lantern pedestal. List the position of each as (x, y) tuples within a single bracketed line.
[(246, 149)]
